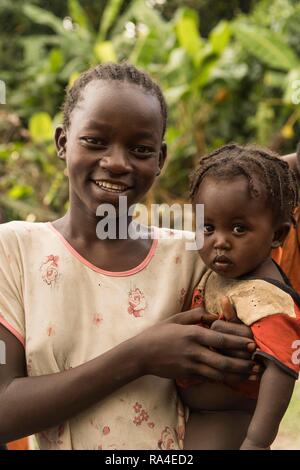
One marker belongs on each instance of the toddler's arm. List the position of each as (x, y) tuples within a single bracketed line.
[(275, 392)]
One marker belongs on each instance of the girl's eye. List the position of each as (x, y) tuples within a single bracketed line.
[(208, 228), (238, 229), (142, 151), (93, 141)]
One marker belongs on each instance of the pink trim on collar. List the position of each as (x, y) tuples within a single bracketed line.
[(135, 270)]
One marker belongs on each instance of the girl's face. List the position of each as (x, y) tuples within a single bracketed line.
[(113, 146), (238, 229)]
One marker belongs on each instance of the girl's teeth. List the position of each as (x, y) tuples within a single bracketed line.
[(110, 186)]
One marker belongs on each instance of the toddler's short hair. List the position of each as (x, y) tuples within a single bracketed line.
[(251, 161)]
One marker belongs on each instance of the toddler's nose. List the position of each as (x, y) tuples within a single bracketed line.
[(222, 242)]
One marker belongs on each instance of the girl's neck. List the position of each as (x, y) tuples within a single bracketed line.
[(116, 255), (88, 228)]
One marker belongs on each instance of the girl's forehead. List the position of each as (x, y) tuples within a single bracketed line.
[(108, 97), (116, 90)]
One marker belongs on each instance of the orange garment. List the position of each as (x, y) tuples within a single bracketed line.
[(20, 444), (288, 256), (283, 352)]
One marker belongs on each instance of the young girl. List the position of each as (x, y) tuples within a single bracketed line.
[(89, 360), (249, 197)]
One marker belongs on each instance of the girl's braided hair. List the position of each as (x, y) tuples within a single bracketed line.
[(123, 72), (253, 162)]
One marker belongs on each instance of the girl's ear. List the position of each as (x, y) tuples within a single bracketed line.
[(60, 142), (280, 235), (162, 157)]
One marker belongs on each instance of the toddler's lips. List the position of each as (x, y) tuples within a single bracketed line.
[(222, 259), (222, 263)]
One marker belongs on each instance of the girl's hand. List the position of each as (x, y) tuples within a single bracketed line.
[(234, 326), (181, 348)]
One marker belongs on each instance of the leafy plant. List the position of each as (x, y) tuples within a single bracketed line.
[(236, 80)]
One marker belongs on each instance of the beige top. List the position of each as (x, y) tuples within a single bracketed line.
[(66, 312), (253, 299)]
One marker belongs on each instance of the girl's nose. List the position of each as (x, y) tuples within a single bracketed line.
[(115, 161)]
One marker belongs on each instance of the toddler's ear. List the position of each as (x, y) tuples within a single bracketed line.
[(60, 142), (280, 235)]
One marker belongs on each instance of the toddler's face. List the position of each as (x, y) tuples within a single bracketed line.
[(114, 144), (238, 229)]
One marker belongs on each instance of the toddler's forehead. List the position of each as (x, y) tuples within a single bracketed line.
[(236, 191), (253, 186)]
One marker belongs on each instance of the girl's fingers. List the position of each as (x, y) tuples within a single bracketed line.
[(206, 372), (193, 317), (225, 364), (217, 340), (237, 329), (237, 353)]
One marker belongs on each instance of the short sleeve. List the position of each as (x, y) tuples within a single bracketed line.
[(274, 319), (257, 299), (276, 337), (11, 295)]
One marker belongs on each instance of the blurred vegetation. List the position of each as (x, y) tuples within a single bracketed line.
[(229, 71)]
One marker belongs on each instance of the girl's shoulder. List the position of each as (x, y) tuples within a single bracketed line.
[(21, 226), (171, 241), (16, 230), (171, 236)]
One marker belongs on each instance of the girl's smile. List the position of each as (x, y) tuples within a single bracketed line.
[(110, 186)]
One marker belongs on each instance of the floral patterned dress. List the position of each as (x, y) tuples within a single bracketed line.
[(66, 311)]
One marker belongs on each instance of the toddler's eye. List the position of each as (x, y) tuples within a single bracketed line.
[(238, 229), (208, 228), (143, 151)]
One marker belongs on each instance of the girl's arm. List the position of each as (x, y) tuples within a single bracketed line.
[(275, 392), (170, 349)]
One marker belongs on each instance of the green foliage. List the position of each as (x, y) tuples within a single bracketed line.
[(191, 42), (224, 79), (267, 46), (40, 127), (109, 15)]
